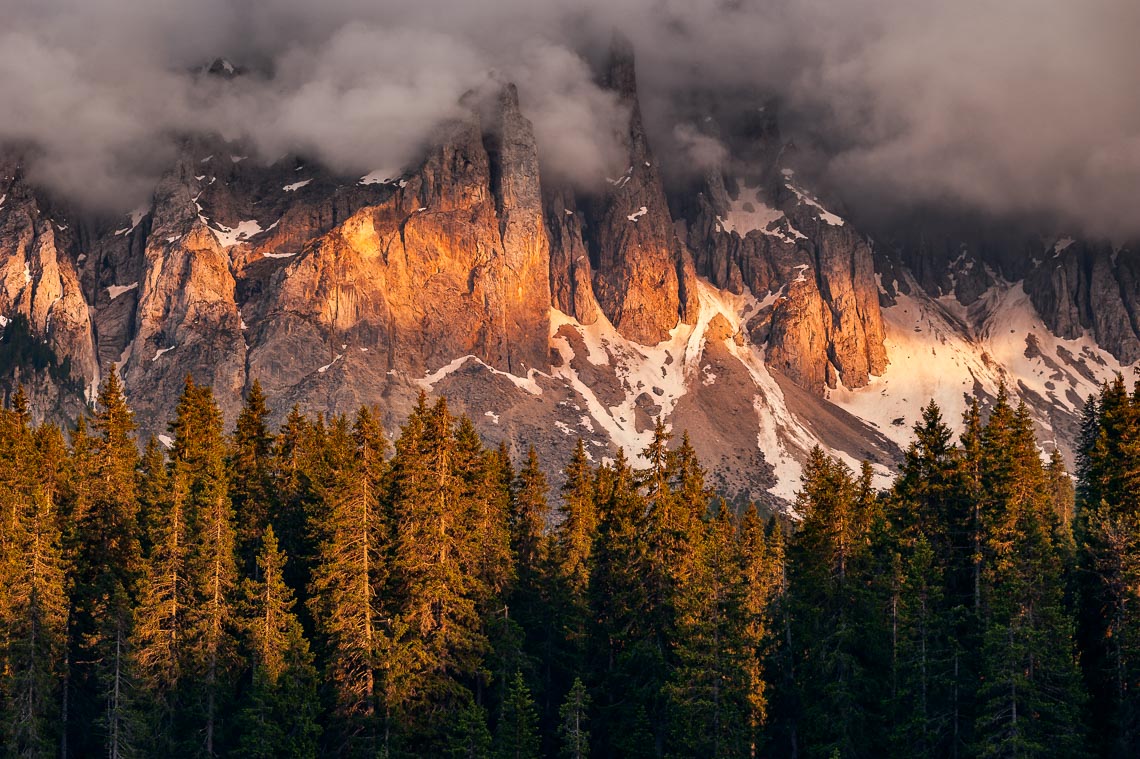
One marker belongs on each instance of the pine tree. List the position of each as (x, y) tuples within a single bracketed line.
[(708, 689), (251, 475), (572, 558), (347, 578), (184, 643), (438, 643), (35, 621), (516, 735), (831, 614), (1030, 697), (629, 663), (108, 566), (573, 719), (761, 557), (1107, 533), (281, 711), (160, 626), (469, 737), (296, 450)]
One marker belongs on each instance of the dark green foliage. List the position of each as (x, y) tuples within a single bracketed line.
[(573, 723), (516, 734), (164, 604)]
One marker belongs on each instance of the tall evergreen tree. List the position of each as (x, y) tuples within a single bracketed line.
[(108, 567), (281, 710), (347, 581), (436, 652), (516, 735), (251, 475), (708, 688), (184, 642), (573, 718), (1030, 697)]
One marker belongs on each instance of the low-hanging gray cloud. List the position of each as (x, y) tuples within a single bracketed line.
[(1019, 107)]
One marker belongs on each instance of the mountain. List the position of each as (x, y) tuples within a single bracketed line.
[(742, 308)]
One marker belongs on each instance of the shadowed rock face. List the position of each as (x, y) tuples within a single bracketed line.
[(1083, 286), (824, 324)]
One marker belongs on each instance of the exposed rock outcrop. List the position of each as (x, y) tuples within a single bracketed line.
[(38, 277), (640, 278), (454, 263), (187, 321), (824, 324), (1082, 286)]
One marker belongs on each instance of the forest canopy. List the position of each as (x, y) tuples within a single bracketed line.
[(319, 590)]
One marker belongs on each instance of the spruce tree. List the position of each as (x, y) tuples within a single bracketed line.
[(629, 663), (516, 735), (436, 651), (708, 688), (108, 567), (35, 626), (251, 475), (1030, 696), (184, 643), (281, 710), (347, 580), (573, 718)]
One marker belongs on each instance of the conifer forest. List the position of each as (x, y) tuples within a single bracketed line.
[(321, 590)]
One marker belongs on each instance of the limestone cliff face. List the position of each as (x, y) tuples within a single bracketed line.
[(1084, 286), (187, 320), (455, 262), (38, 276), (824, 324), (571, 276), (524, 274), (640, 280)]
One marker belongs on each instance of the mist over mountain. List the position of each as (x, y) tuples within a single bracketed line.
[(1021, 108)]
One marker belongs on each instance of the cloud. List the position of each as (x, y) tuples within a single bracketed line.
[(1019, 107)]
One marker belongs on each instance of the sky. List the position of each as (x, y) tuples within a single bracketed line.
[(1011, 107)]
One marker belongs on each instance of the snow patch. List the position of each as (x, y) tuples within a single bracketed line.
[(637, 214), (160, 352), (228, 237), (939, 349), (296, 185), (623, 180), (380, 176), (749, 213), (137, 216), (528, 383), (116, 290), (492, 416), (326, 367), (826, 216), (166, 440)]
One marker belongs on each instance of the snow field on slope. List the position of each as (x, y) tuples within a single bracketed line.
[(935, 354), (749, 213), (673, 366)]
